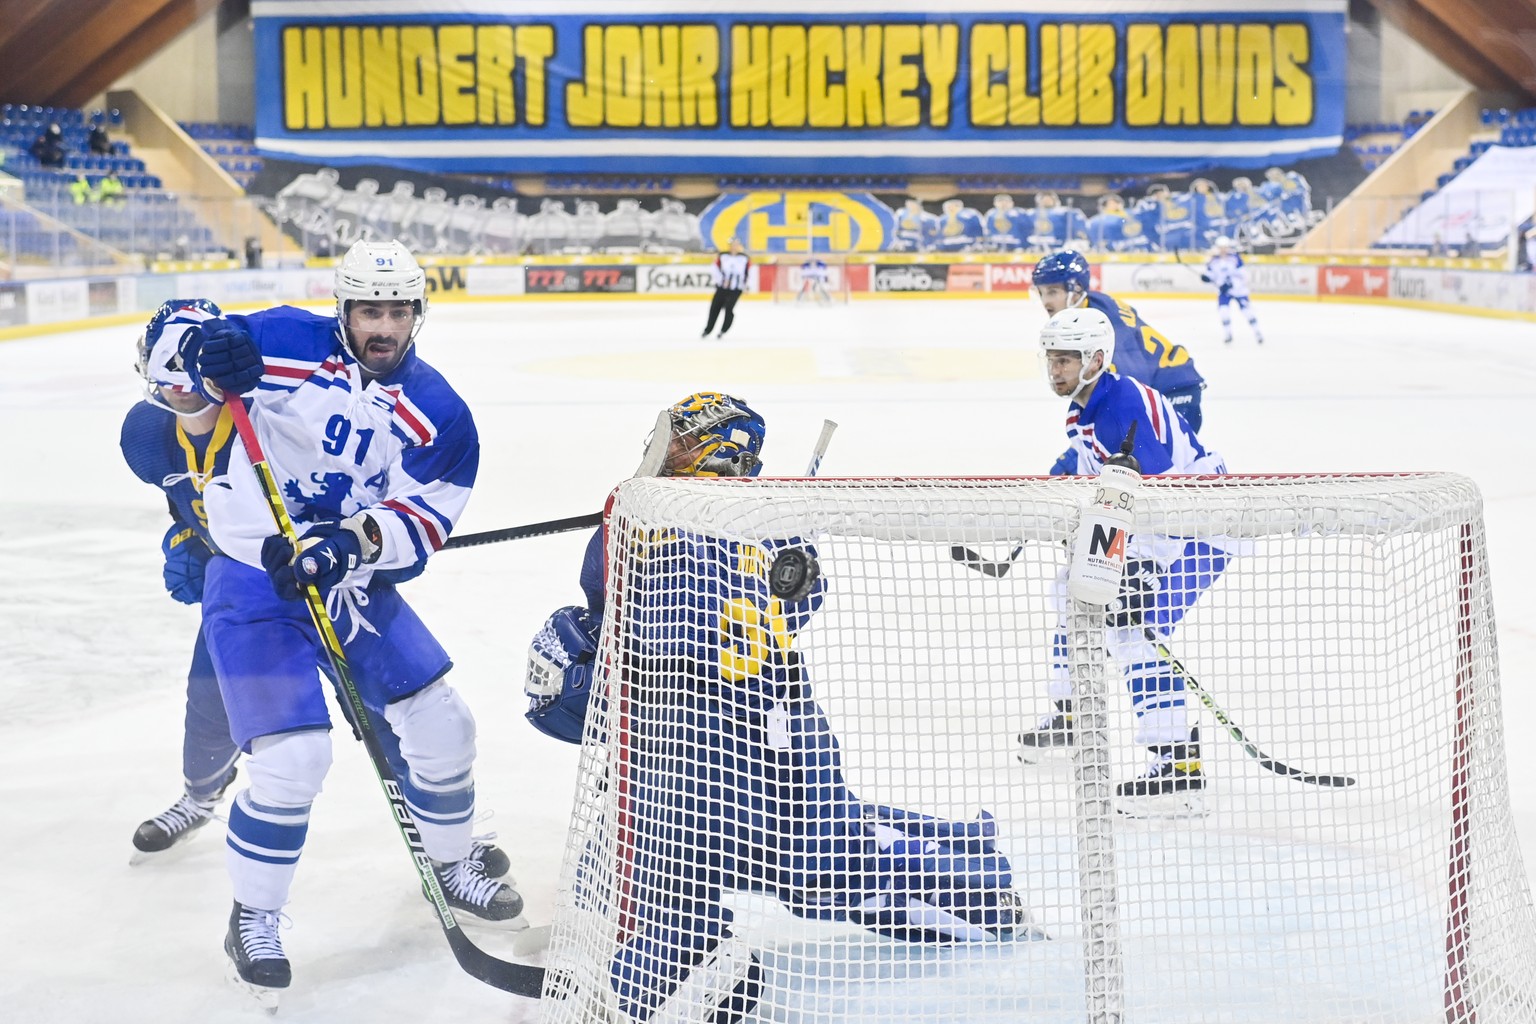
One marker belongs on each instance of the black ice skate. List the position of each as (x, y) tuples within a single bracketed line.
[(467, 885), (493, 860), (256, 951), (180, 820), (1054, 731), (1172, 786)]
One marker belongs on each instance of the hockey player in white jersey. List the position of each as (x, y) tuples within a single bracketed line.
[(374, 455), (1225, 270), (1164, 576)]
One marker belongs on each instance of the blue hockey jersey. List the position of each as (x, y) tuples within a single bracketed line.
[(1144, 353), (161, 453)]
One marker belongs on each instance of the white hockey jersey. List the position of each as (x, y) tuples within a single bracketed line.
[(1227, 270), (404, 446)]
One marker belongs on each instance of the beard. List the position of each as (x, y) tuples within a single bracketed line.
[(379, 353)]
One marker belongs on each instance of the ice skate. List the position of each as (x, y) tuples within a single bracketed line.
[(1055, 731), (493, 859), (467, 886), (171, 826), (256, 954), (1173, 785)]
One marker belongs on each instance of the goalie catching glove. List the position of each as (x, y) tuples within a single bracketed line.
[(559, 684)]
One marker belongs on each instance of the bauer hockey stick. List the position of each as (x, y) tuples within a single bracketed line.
[(1265, 761), (519, 979)]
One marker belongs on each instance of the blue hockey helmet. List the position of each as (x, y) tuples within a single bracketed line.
[(1067, 267), (158, 361), (728, 436)]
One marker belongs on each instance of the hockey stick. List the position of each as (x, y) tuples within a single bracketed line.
[(519, 979), (1265, 761), (553, 526), (469, 540), (827, 426), (972, 560)]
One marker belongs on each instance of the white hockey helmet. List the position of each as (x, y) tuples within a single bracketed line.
[(1223, 243), (380, 272), (1084, 331)]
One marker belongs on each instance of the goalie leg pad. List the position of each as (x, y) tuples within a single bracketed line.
[(921, 889)]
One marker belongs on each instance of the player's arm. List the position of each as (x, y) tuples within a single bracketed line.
[(1115, 423), (431, 489)]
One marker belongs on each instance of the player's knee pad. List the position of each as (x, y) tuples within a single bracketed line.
[(436, 730), (288, 769)]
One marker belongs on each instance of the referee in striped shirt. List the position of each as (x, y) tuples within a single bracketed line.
[(730, 276)]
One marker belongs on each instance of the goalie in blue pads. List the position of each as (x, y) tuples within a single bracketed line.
[(734, 776)]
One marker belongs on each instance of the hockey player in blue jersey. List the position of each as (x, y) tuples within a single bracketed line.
[(177, 441), (746, 792), (1225, 270), (374, 455), (1164, 576), (1062, 281)]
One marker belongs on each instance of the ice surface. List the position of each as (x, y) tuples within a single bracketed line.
[(94, 652)]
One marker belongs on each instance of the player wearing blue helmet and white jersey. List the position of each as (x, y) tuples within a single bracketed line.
[(374, 455), (751, 784), (1225, 270), (1164, 576), (178, 441), (1062, 281)]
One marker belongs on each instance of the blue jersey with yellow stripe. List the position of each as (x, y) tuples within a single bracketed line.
[(161, 453), (1141, 351)]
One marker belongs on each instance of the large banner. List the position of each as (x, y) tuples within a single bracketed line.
[(838, 86)]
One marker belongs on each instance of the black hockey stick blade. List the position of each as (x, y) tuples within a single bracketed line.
[(519, 979), (469, 540), (1265, 761), (971, 560)]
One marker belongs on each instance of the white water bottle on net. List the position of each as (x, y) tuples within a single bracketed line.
[(802, 799)]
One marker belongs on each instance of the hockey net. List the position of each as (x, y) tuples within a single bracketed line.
[(794, 280), (729, 858)]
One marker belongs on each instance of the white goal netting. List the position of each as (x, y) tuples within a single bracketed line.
[(809, 806)]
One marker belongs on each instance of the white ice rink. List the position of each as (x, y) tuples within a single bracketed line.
[(94, 652)]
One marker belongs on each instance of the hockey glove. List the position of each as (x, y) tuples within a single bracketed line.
[(186, 557), (559, 682), (1206, 278), (1225, 288), (1066, 464), (1138, 593), (222, 355), (328, 552)]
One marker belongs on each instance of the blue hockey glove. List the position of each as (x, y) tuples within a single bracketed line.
[(559, 683), (186, 557), (223, 355), (1066, 464), (329, 551), (1206, 278), (1225, 287), (1138, 593)]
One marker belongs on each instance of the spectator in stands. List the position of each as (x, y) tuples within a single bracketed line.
[(100, 143), (1438, 246), (1470, 250), (109, 191), (81, 190), (49, 147), (1530, 245)]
